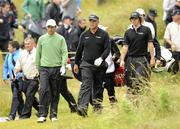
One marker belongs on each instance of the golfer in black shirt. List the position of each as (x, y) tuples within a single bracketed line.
[(138, 40), (94, 47)]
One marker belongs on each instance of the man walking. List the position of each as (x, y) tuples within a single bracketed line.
[(138, 40), (94, 47), (26, 64), (51, 59)]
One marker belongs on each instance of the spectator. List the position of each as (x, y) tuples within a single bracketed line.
[(69, 32), (108, 83), (7, 20), (53, 11), (26, 64), (16, 83), (81, 27), (51, 59), (172, 37), (34, 9), (152, 14), (93, 65), (167, 7), (69, 8)]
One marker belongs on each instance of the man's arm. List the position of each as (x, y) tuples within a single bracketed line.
[(123, 55), (64, 53), (151, 50), (65, 3), (79, 51), (18, 66), (38, 54), (167, 38)]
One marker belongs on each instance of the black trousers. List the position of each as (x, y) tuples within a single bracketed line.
[(49, 91), (30, 88), (176, 56), (137, 73), (17, 103), (92, 79), (108, 84), (64, 91), (4, 45)]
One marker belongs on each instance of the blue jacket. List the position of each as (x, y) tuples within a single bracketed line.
[(9, 67)]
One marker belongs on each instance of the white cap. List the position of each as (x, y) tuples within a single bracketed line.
[(102, 27), (51, 22), (140, 11)]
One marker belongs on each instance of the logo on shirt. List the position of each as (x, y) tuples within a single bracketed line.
[(86, 37), (98, 37), (140, 33)]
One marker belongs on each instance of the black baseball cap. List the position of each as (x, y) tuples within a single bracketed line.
[(175, 12), (134, 15), (152, 12), (67, 17), (93, 17)]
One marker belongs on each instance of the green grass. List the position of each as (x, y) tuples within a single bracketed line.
[(160, 109)]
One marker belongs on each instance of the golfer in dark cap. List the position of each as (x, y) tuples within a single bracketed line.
[(138, 40), (94, 47)]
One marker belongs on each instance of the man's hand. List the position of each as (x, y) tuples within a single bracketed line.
[(98, 61), (122, 63), (76, 68), (62, 70), (173, 47), (158, 62), (152, 62), (1, 20)]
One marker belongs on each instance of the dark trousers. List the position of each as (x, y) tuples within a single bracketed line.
[(4, 45), (17, 98), (92, 79), (49, 91), (30, 88), (109, 85), (67, 94), (176, 56), (137, 73)]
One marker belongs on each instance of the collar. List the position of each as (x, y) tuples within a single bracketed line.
[(30, 52), (15, 52), (95, 32)]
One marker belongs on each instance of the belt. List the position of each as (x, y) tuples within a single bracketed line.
[(35, 78)]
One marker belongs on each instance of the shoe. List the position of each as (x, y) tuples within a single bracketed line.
[(74, 109), (10, 118), (82, 112), (54, 119), (97, 108), (41, 119)]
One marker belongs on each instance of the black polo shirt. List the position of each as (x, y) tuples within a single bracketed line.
[(137, 41), (92, 46)]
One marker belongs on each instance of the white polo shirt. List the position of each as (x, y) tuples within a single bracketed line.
[(172, 33), (26, 63)]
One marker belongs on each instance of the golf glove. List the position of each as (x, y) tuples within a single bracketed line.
[(62, 70), (98, 61)]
